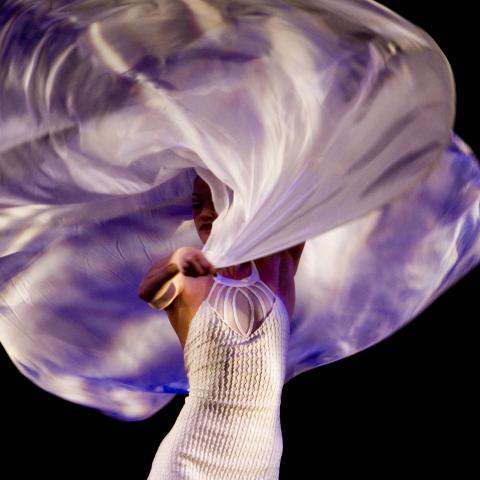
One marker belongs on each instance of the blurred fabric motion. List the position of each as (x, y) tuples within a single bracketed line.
[(329, 121)]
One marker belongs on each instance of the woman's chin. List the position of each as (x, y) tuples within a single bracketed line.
[(204, 236)]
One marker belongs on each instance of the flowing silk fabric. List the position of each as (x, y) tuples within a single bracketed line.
[(328, 121)]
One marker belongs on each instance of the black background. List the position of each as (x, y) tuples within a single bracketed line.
[(403, 406)]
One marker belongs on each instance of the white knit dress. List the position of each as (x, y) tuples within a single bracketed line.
[(235, 358)]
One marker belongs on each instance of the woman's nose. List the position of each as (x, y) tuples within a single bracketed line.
[(208, 214)]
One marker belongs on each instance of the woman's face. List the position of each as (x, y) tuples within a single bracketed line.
[(204, 213)]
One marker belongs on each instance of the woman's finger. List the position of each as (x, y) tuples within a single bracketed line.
[(209, 268), (204, 263), (199, 269)]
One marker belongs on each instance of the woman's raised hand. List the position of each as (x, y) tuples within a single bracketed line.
[(187, 260), (192, 262)]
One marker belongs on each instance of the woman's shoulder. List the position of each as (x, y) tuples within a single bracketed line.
[(272, 263), (282, 261)]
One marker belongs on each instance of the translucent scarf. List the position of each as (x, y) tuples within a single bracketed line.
[(328, 121)]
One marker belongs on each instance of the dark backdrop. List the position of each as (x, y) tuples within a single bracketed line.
[(404, 406)]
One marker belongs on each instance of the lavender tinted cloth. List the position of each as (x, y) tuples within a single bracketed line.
[(324, 121)]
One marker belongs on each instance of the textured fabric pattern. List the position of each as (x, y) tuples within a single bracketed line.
[(229, 427)]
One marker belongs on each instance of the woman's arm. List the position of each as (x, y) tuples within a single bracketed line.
[(165, 280), (295, 254), (162, 284)]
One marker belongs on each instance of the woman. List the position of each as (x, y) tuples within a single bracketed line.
[(234, 329)]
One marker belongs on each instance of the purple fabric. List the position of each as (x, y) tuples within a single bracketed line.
[(325, 121)]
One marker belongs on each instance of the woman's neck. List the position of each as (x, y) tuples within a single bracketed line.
[(237, 272)]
